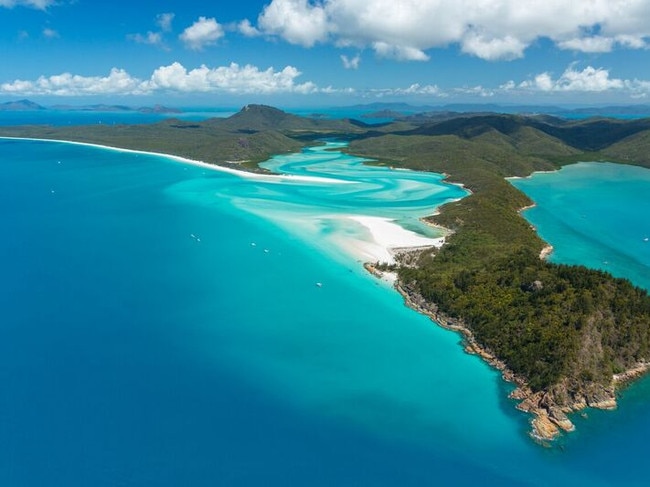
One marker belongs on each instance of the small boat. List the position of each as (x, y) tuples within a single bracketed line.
[(319, 284)]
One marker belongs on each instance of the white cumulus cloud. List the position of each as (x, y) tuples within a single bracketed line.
[(402, 53), (66, 84), (203, 32), (493, 48), (590, 79), (229, 79), (297, 21), (233, 79), (588, 44), (412, 90), (489, 29), (246, 28)]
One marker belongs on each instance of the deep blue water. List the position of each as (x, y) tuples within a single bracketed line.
[(146, 341)]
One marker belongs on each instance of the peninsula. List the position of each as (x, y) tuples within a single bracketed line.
[(567, 336)]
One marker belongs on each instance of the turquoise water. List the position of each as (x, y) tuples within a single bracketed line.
[(594, 214), (146, 341)]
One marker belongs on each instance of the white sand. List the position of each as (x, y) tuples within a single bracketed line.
[(383, 236)]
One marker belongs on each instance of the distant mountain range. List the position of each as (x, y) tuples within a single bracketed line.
[(27, 105), (394, 110), (378, 110)]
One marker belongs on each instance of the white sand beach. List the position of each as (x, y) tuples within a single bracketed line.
[(271, 178), (375, 244), (383, 235)]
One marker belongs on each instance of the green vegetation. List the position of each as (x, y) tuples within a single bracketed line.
[(548, 323), (242, 141)]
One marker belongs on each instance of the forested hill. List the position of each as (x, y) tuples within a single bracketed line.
[(586, 135), (243, 140), (564, 331)]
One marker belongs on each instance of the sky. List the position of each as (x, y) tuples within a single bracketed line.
[(326, 52)]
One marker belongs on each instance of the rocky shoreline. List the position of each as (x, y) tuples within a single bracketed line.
[(549, 408)]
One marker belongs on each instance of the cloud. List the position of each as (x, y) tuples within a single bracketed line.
[(164, 21), (490, 29), (493, 49), (351, 63), (413, 90), (588, 44), (38, 4), (402, 53), (297, 21), (174, 78), (229, 79), (573, 81), (475, 91), (235, 79), (50, 33), (151, 38), (117, 82), (246, 28), (203, 32), (589, 79), (632, 41)]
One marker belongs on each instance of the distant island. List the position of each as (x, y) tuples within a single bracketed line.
[(27, 105), (20, 105), (567, 336), (399, 110)]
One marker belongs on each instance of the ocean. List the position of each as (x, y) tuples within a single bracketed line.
[(594, 214), (166, 324)]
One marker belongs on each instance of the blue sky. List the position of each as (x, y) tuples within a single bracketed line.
[(326, 52)]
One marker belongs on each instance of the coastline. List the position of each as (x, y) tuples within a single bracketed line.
[(547, 250), (389, 239), (549, 415), (184, 160), (549, 408), (385, 234)]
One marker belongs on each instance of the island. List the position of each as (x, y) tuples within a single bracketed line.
[(28, 105), (568, 337)]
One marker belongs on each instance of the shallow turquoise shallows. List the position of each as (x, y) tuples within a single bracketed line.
[(595, 214), (166, 324)]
